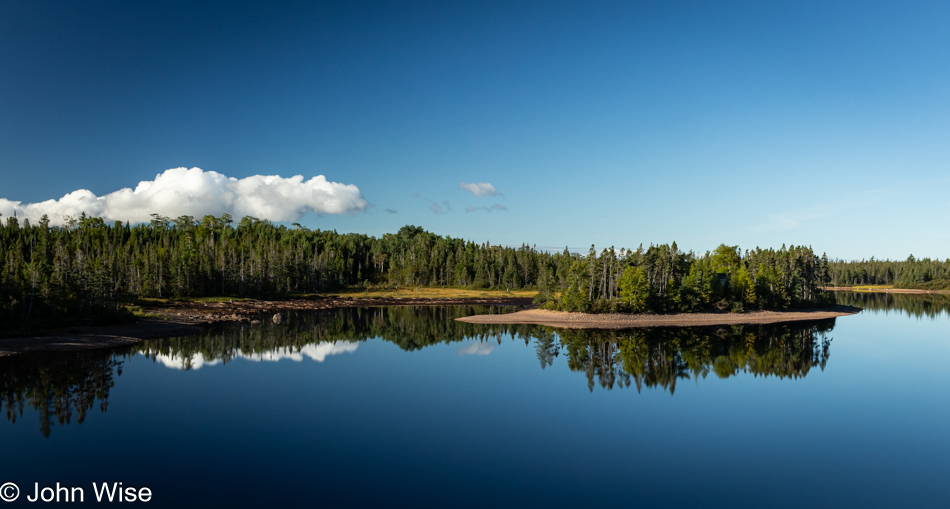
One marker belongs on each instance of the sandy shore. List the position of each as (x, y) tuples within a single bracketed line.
[(568, 320)]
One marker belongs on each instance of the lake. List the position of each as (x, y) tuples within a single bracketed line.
[(403, 406)]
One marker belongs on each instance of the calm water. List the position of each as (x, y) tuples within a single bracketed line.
[(389, 407)]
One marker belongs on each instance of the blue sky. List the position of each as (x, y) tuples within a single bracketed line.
[(612, 123)]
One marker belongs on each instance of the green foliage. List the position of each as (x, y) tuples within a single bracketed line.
[(81, 272), (726, 259), (634, 289), (916, 273), (662, 279), (932, 285), (743, 288)]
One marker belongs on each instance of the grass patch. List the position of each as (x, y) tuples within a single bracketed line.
[(871, 288), (427, 293), (135, 309), (422, 292), (145, 301), (217, 299)]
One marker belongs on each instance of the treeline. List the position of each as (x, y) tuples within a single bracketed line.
[(923, 273), (79, 272), (664, 279)]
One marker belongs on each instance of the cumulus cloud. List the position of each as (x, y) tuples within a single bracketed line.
[(195, 192), (479, 188)]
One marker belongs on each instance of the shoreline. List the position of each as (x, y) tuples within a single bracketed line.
[(172, 319), (186, 318), (882, 290), (570, 320), (95, 337)]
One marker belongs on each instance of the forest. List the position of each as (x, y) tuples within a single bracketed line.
[(923, 273), (86, 270)]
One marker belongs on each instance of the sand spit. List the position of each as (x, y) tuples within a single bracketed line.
[(566, 320)]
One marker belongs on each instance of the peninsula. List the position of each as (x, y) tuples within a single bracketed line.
[(575, 320)]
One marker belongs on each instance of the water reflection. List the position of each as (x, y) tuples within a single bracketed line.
[(929, 305), (58, 386), (476, 349), (62, 386), (660, 357), (317, 352), (321, 333)]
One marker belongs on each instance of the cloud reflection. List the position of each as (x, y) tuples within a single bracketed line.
[(317, 352), (476, 349)]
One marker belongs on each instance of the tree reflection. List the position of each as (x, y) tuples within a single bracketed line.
[(63, 386), (546, 344), (409, 327), (930, 305), (660, 357), (645, 357), (58, 386)]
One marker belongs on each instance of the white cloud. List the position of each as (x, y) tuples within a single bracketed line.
[(195, 192), (479, 189)]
